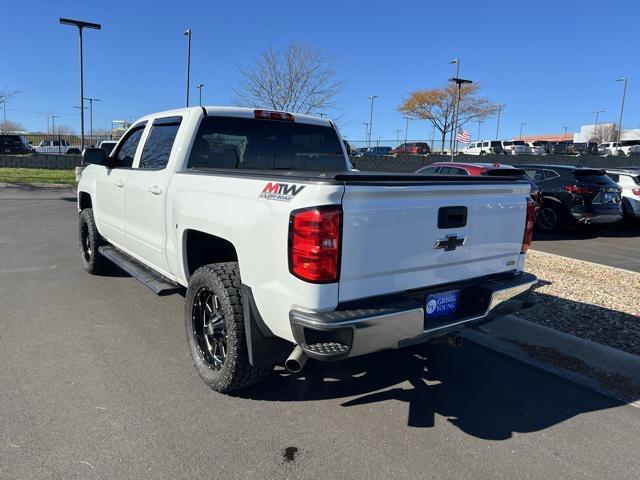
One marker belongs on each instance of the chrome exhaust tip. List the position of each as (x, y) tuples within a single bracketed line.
[(296, 360)]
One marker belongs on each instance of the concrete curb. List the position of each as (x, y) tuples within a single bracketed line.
[(597, 356)]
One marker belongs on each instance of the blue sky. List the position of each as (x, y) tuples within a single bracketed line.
[(551, 62)]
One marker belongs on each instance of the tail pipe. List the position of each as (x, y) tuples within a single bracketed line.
[(296, 360), (454, 340)]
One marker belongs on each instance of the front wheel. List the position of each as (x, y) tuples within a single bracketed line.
[(90, 240), (214, 323)]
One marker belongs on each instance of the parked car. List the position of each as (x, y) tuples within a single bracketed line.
[(583, 148), (377, 151), (107, 145), (629, 181), (627, 145), (610, 148), (563, 147), (573, 195), (634, 150), (546, 144), (534, 148), (14, 144), (286, 253), (515, 147), (414, 148), (59, 147), (359, 152), (483, 148), (477, 169)]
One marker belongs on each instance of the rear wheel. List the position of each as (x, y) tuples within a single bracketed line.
[(214, 323), (548, 218)]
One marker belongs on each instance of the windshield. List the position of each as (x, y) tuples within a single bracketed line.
[(224, 142)]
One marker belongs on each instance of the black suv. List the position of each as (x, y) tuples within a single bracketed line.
[(14, 144), (571, 195)]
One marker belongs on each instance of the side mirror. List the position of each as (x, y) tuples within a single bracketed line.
[(95, 156)]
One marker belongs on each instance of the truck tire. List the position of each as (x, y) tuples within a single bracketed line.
[(90, 241), (214, 323)]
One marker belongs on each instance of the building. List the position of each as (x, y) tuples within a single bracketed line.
[(587, 132), (550, 137)]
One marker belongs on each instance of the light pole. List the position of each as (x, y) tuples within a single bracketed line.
[(372, 98), (624, 94), (200, 85), (498, 123), (397, 136), (479, 123), (53, 128), (458, 81), (366, 131), (406, 130), (457, 63), (564, 135), (187, 33), (433, 138), (595, 129), (91, 100), (322, 114), (81, 25), (522, 124)]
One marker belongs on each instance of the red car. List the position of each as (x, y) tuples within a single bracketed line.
[(415, 148), (476, 169)]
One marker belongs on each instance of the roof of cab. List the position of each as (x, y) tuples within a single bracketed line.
[(242, 112)]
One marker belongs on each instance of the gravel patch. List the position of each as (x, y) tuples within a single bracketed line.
[(595, 302)]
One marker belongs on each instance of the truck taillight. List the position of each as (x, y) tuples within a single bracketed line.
[(528, 226), (636, 191), (314, 243)]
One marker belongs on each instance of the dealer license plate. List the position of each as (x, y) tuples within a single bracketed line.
[(441, 304)]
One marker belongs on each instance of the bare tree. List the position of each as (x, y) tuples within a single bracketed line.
[(298, 78), (605, 132), (10, 126), (64, 130), (437, 105)]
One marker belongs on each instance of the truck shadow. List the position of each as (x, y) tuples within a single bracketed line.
[(482, 392), (624, 229)]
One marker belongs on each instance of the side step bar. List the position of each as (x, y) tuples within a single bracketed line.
[(157, 283)]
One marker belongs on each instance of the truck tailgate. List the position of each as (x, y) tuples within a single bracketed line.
[(390, 233)]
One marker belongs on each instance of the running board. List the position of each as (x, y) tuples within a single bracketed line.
[(156, 282)]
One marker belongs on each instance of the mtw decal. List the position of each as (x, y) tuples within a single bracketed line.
[(282, 192)]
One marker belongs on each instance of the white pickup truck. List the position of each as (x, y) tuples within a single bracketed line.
[(285, 251)]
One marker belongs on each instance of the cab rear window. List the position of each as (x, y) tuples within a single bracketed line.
[(247, 143)]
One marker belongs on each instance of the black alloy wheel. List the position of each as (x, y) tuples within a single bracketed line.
[(209, 329)]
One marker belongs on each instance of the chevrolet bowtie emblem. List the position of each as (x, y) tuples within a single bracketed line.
[(450, 242)]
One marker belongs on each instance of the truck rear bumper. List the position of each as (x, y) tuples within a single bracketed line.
[(399, 321)]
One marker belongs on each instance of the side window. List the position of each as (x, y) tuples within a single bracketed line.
[(485, 144), (548, 174), (429, 170), (127, 151), (157, 148), (535, 175)]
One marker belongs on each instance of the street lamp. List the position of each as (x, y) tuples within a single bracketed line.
[(406, 130), (372, 98), (564, 135), (458, 81), (200, 85), (595, 129), (187, 33), (624, 94), (81, 25), (498, 123), (53, 129), (522, 124), (479, 123), (455, 61), (366, 131), (397, 136), (91, 100), (322, 114)]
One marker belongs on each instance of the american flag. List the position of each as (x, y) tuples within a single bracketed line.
[(463, 136)]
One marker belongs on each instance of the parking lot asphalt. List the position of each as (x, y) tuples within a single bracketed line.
[(616, 245), (96, 382)]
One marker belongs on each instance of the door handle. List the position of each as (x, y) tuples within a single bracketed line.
[(120, 183), (155, 189)]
